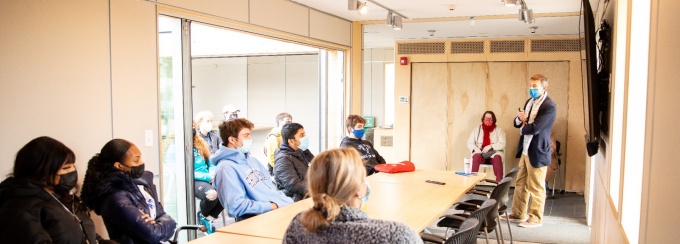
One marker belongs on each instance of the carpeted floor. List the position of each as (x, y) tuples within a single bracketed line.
[(564, 221)]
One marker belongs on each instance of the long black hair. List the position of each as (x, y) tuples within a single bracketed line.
[(101, 165), (40, 160)]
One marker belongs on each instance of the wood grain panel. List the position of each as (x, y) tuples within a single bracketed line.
[(466, 104), (428, 117), (558, 90), (506, 92)]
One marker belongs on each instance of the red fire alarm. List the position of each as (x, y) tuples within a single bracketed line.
[(403, 60)]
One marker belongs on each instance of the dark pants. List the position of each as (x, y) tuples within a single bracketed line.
[(244, 217), (496, 161), (208, 208)]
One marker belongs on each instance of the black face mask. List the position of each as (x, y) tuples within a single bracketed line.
[(66, 182), (136, 172)]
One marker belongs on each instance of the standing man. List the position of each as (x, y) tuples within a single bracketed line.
[(242, 183), (355, 129), (535, 123), (274, 139)]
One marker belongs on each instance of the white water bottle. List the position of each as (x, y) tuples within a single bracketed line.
[(466, 165)]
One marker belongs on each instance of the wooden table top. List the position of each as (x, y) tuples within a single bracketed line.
[(403, 197), (219, 237)]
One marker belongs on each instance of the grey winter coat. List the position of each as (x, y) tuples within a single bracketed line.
[(290, 171), (352, 226)]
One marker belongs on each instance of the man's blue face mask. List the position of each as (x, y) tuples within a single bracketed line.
[(533, 92)]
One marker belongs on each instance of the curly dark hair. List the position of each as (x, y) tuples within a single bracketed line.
[(101, 165)]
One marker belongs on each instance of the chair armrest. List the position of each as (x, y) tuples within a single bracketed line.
[(451, 216), (481, 193), (432, 238), (468, 204)]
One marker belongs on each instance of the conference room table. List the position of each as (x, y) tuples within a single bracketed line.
[(403, 197)]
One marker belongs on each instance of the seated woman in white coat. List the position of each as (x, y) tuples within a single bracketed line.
[(487, 144)]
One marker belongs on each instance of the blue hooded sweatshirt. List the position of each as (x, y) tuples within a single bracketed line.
[(243, 183)]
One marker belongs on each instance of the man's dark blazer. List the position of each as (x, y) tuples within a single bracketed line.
[(539, 148)]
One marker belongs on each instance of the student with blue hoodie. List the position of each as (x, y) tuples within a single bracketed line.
[(243, 185)]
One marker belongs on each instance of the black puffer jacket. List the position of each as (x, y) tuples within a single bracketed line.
[(28, 214), (352, 226), (290, 171), (119, 202)]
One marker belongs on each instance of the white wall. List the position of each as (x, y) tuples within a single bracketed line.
[(373, 82)]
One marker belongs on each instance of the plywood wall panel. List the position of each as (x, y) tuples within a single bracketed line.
[(468, 103), (428, 122), (507, 92)]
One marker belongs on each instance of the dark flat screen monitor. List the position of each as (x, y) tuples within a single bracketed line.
[(590, 85)]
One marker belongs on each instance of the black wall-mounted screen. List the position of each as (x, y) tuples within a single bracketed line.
[(591, 94)]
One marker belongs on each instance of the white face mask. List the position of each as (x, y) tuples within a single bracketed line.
[(246, 146), (206, 127)]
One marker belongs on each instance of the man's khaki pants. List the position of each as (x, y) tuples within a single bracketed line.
[(530, 185)]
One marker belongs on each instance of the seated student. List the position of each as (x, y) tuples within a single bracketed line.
[(355, 128), (36, 201), (292, 161), (117, 188), (204, 173), (487, 144), (339, 189), (271, 145), (242, 184), (204, 120)]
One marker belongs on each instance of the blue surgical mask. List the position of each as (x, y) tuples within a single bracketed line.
[(533, 92), (359, 133), (365, 198), (304, 143), (246, 146)]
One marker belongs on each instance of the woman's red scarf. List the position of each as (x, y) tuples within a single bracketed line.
[(487, 132)]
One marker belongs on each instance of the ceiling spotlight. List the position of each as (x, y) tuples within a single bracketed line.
[(431, 32), (396, 22), (510, 3), (533, 29), (389, 18), (360, 7), (526, 14)]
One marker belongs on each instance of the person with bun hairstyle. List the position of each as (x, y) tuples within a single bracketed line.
[(339, 189), (117, 188)]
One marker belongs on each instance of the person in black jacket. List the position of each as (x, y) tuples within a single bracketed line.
[(36, 201), (117, 188), (292, 161), (355, 128)]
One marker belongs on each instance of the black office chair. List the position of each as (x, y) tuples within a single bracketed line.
[(501, 195), (484, 189), (558, 145), (465, 235), (454, 221)]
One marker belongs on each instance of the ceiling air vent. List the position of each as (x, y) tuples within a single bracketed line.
[(555, 45), (507, 46), (421, 48), (467, 47)]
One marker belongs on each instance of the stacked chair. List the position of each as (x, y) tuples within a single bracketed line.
[(455, 221)]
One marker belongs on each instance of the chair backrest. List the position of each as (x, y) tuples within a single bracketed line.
[(500, 193), (481, 213), (513, 172), (557, 147), (466, 234)]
